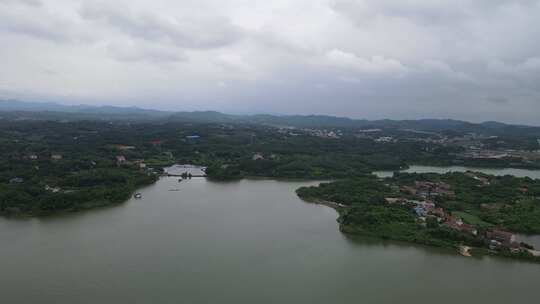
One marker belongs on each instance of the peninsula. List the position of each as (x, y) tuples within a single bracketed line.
[(471, 211)]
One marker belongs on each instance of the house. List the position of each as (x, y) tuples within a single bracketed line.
[(120, 159), (523, 189), (445, 192), (469, 229), (443, 186), (428, 205), (420, 185), (140, 163), (457, 224), (384, 139), (438, 212), (124, 147), (193, 137), (484, 180), (453, 222), (56, 156), (504, 237), (430, 189), (33, 156), (420, 211), (16, 180), (395, 200), (52, 189), (408, 189), (257, 156)]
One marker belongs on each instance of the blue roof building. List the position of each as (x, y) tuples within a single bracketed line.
[(420, 211)]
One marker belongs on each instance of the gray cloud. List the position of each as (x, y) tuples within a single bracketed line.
[(184, 31), (497, 99), (132, 52), (23, 2), (475, 60)]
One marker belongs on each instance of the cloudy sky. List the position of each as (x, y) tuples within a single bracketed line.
[(475, 60)]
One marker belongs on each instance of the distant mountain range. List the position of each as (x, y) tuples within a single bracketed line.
[(13, 109), (24, 106)]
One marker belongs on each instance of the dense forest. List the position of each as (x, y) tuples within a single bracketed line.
[(56, 165)]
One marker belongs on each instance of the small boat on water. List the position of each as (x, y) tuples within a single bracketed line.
[(137, 195), (179, 180), (174, 189)]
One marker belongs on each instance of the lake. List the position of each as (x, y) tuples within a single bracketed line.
[(251, 241), (442, 170)]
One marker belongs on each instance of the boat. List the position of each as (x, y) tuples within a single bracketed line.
[(174, 189), (137, 195), (179, 180)]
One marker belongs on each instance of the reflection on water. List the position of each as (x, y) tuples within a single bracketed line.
[(356, 240)]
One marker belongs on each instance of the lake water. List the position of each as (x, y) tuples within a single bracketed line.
[(251, 241), (492, 171)]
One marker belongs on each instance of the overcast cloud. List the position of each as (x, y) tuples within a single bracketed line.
[(475, 60)]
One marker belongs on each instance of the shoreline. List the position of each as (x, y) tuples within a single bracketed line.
[(460, 249), (463, 250)]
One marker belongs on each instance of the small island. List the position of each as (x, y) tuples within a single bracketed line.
[(475, 213)]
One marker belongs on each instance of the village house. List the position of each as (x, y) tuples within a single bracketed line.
[(140, 163), (428, 205), (16, 180), (52, 189), (504, 237), (56, 156), (422, 208), (420, 211), (483, 180), (32, 156), (120, 159), (457, 224), (438, 212), (523, 189), (257, 156), (408, 190), (123, 147), (395, 200), (429, 189), (384, 139), (469, 229)]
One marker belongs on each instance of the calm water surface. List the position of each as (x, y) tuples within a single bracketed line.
[(242, 242), (493, 171)]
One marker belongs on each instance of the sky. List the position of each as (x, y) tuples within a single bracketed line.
[(474, 60)]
